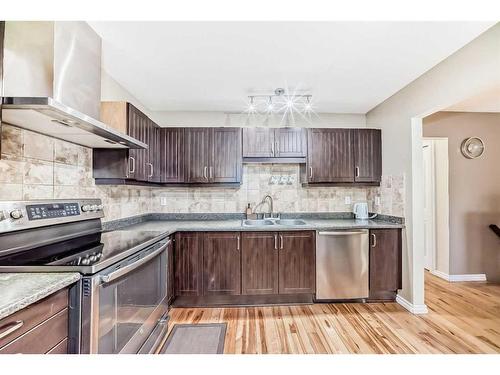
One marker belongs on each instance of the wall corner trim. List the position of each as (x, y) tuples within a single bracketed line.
[(459, 278), (414, 309)]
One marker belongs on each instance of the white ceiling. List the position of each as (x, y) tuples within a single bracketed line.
[(349, 67)]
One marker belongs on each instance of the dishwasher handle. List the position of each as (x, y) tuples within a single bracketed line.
[(343, 233)]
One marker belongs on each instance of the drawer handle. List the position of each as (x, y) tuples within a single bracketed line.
[(10, 328), (374, 243)]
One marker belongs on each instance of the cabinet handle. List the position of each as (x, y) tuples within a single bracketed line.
[(205, 173), (211, 172), (238, 246), (277, 148), (9, 328), (272, 148), (151, 165), (310, 173), (275, 242), (131, 164), (281, 242), (357, 171), (374, 242)]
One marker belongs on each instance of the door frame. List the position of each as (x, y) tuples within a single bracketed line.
[(428, 142)]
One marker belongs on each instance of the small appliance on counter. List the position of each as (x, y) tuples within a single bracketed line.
[(360, 211)]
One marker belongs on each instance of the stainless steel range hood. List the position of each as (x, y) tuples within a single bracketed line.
[(52, 83)]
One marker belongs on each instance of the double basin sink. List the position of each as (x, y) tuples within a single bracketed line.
[(266, 222)]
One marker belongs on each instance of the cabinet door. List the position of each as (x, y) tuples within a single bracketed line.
[(367, 155), (172, 154), (188, 263), (221, 263), (154, 155), (226, 162), (259, 263), (330, 155), (258, 143), (170, 272), (297, 262), (385, 263), (138, 128), (197, 154), (290, 142)]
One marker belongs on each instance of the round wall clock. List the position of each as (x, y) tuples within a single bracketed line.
[(472, 147)]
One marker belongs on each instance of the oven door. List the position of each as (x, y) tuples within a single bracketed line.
[(125, 304)]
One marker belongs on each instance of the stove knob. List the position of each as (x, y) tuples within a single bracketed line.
[(16, 214), (86, 207), (93, 207), (100, 207), (93, 258), (85, 261)]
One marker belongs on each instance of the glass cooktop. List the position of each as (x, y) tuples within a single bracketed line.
[(86, 254)]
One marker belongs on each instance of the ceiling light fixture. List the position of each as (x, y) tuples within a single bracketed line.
[(280, 101)]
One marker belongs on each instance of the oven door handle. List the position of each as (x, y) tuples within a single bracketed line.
[(123, 271)]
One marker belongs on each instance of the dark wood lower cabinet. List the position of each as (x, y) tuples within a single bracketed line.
[(170, 273), (259, 263), (188, 258), (221, 263), (37, 329), (385, 263), (297, 266)]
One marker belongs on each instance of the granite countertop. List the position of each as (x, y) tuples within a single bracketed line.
[(172, 226), (18, 290)]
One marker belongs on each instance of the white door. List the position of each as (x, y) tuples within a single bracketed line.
[(429, 189)]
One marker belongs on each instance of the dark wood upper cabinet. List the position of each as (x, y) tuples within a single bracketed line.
[(297, 267), (330, 156), (222, 263), (385, 263), (197, 154), (258, 142), (226, 160), (290, 142), (138, 127), (172, 155), (367, 155), (188, 263), (128, 164), (265, 144), (213, 155), (259, 263)]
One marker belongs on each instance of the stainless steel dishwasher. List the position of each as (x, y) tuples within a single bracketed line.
[(342, 258)]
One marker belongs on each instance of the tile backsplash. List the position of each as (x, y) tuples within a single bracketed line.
[(34, 166)]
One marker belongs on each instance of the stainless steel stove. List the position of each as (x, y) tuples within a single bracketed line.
[(120, 304)]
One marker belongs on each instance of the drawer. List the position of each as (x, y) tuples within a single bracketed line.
[(61, 348), (32, 316), (42, 338)]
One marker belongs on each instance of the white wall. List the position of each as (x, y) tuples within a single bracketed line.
[(468, 72), (193, 118), (111, 90)]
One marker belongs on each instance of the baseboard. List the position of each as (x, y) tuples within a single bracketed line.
[(441, 275), (414, 309), (468, 277), (458, 278)]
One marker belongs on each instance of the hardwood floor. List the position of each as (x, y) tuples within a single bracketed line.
[(462, 318)]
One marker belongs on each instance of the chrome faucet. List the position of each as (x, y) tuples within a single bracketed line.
[(271, 209)]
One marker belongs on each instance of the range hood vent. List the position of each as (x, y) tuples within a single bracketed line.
[(52, 83)]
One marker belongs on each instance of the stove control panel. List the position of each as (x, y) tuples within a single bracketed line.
[(52, 210), (20, 215)]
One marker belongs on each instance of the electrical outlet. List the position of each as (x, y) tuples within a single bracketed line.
[(163, 201), (347, 200)]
